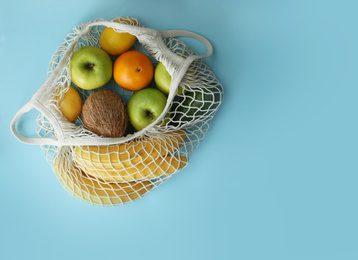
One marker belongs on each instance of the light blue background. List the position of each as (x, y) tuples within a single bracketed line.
[(276, 176)]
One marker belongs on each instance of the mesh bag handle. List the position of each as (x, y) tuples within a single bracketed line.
[(30, 140), (37, 99), (182, 33)]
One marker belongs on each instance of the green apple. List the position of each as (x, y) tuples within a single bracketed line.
[(162, 78), (91, 67), (145, 106)]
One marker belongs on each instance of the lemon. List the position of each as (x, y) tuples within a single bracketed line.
[(115, 43), (71, 104)]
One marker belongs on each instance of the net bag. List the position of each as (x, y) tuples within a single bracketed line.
[(109, 171)]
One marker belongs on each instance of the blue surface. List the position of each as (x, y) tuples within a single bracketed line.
[(276, 176)]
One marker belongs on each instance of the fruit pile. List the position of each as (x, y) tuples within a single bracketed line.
[(116, 174), (104, 112)]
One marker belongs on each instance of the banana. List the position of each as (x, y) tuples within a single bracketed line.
[(140, 171), (94, 191), (134, 160), (128, 154)]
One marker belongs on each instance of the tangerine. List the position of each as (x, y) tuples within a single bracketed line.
[(133, 70), (116, 43)]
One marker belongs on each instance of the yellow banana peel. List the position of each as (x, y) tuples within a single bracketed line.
[(129, 153), (140, 171), (135, 160), (94, 191)]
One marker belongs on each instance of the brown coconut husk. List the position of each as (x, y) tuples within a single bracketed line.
[(105, 114)]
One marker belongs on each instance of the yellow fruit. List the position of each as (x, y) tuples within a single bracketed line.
[(96, 192), (141, 159), (129, 153), (139, 171), (71, 104), (115, 43)]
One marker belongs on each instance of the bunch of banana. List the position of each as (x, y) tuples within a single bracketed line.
[(92, 190), (144, 159)]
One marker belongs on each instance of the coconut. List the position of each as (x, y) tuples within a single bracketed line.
[(105, 114)]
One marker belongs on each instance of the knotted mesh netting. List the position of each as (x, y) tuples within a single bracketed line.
[(111, 171)]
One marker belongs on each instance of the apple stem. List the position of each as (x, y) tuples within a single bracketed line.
[(90, 66), (149, 114)]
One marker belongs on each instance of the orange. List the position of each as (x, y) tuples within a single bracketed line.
[(133, 70), (71, 104), (115, 43)]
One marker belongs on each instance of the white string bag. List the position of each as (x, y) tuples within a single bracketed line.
[(110, 171)]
